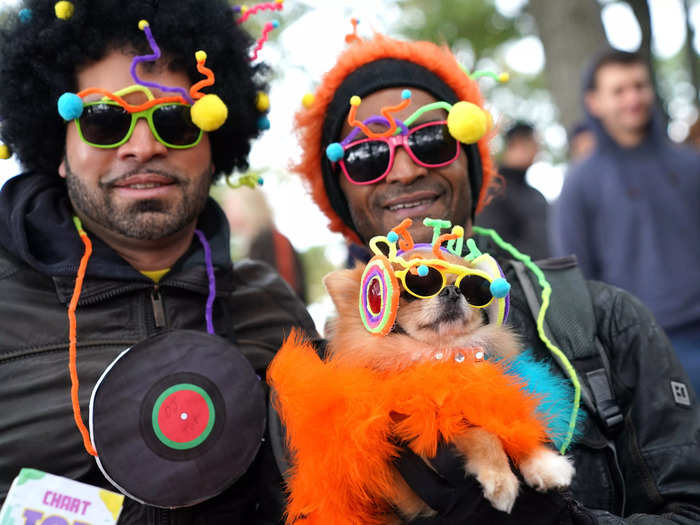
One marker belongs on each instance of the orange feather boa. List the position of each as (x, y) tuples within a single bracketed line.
[(339, 420)]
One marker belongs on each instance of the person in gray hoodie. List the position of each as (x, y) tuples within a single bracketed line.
[(631, 211)]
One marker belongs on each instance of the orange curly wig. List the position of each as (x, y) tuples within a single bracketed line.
[(309, 121)]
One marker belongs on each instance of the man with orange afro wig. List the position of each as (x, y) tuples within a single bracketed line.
[(638, 456)]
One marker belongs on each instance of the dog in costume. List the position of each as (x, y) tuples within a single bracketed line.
[(419, 355)]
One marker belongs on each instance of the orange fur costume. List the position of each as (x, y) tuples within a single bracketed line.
[(339, 420)]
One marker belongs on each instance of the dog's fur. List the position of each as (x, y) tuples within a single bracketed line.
[(424, 326)]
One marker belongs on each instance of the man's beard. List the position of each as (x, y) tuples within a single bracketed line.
[(146, 219)]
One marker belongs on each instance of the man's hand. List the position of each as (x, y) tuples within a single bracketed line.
[(459, 499)]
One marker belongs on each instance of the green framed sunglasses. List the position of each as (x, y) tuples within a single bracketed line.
[(106, 124)]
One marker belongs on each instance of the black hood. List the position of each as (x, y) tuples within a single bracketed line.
[(36, 225)]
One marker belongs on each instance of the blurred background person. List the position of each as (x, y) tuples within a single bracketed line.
[(254, 236), (693, 138), (581, 141), (518, 212), (631, 211)]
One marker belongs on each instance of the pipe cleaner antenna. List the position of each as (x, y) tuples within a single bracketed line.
[(386, 112), (269, 26), (555, 350), (145, 27), (352, 37), (247, 12), (73, 339), (248, 179), (209, 112), (498, 77), (400, 233)]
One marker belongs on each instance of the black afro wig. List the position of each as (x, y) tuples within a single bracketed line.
[(40, 55)]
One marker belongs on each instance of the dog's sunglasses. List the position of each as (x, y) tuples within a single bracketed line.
[(106, 124), (424, 279), (369, 160)]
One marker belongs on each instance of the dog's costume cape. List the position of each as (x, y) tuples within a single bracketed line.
[(340, 422)]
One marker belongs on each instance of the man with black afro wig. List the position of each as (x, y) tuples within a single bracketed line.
[(109, 241)]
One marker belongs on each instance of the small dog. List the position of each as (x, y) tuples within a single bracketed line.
[(430, 328)]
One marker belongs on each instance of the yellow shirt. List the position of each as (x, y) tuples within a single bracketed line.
[(155, 275)]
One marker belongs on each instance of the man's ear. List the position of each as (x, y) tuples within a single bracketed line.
[(62, 168), (344, 287)]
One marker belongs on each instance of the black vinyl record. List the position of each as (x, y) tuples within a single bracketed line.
[(177, 418)]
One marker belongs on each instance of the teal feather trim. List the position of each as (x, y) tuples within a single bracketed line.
[(556, 394)]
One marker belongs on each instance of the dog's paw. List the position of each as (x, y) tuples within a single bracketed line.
[(500, 487), (546, 469)]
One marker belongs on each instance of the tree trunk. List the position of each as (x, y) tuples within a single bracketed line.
[(571, 32), (690, 50)]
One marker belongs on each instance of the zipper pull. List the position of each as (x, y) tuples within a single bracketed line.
[(158, 311)]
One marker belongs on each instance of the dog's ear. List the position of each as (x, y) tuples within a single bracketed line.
[(344, 287)]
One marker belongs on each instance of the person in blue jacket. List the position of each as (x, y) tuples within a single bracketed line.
[(631, 211)]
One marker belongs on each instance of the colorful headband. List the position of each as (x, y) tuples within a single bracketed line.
[(262, 102), (380, 289), (466, 122), (208, 112)]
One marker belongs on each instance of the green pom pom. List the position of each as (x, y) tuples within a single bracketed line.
[(209, 113)]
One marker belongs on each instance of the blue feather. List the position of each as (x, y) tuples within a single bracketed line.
[(556, 394)]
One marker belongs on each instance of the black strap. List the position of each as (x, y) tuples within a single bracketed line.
[(570, 323)]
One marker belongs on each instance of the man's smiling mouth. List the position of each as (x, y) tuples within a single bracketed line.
[(412, 204)]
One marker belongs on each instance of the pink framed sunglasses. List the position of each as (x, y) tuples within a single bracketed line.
[(369, 160)]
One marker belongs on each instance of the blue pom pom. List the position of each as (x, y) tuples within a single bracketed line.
[(260, 181), (500, 288), (275, 24), (406, 93), (70, 106), (25, 15), (422, 270), (392, 237), (263, 122), (335, 152)]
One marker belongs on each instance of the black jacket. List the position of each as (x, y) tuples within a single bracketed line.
[(650, 473), (39, 255), (518, 213)]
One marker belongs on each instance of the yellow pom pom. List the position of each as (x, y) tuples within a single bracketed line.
[(262, 102), (244, 8), (503, 78), (200, 56), (64, 10), (209, 113), (467, 122), (355, 100), (5, 152), (308, 100), (143, 24), (279, 1)]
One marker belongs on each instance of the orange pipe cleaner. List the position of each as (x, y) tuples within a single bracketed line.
[(73, 343)]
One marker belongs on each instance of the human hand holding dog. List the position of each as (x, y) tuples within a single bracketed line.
[(458, 499)]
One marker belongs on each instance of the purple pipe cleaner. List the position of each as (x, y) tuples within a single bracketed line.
[(155, 56), (374, 120), (212, 281)]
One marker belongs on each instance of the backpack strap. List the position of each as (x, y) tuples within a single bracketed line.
[(570, 323)]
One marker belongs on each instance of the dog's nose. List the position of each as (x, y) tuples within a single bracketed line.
[(450, 293)]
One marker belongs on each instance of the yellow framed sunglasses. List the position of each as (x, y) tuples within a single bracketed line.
[(427, 278)]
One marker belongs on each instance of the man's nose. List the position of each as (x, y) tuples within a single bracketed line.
[(142, 145), (404, 169)]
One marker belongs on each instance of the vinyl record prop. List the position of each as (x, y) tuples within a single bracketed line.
[(177, 418)]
